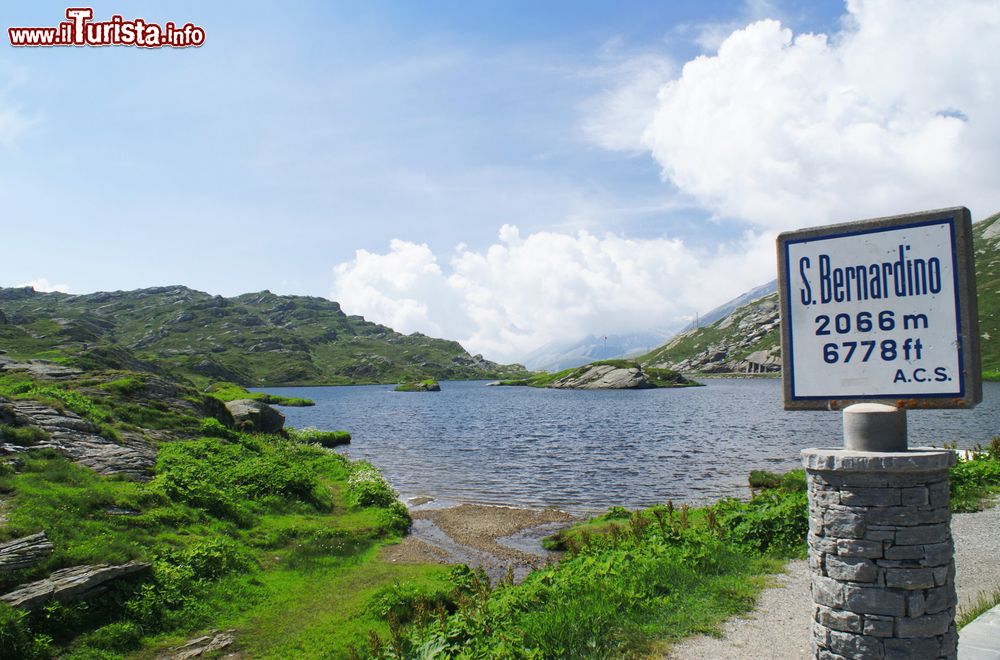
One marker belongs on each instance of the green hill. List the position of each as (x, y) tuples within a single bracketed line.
[(253, 339), (748, 340)]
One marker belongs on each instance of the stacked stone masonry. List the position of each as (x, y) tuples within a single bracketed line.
[(881, 554)]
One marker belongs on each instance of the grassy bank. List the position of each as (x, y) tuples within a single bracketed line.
[(231, 392), (271, 535)]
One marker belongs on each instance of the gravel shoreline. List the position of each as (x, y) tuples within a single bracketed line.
[(779, 629)]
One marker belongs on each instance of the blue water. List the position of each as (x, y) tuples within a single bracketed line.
[(584, 451)]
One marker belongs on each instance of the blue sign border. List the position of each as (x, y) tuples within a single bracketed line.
[(961, 393)]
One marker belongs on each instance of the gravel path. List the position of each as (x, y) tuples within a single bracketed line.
[(779, 629)]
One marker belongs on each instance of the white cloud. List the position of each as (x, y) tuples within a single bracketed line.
[(42, 284), (524, 291), (616, 118), (895, 113)]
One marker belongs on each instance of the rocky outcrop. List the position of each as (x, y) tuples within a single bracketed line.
[(42, 369), (211, 643), (255, 416), (78, 440), (604, 377), (69, 583), (24, 552)]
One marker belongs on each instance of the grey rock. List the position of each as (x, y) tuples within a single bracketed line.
[(605, 377), (24, 552), (928, 625), (873, 600), (839, 619), (77, 439), (843, 523), (863, 549), (256, 416), (851, 570), (938, 533), (69, 583), (211, 643)]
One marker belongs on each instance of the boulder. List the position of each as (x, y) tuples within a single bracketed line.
[(255, 416), (69, 583), (605, 377)]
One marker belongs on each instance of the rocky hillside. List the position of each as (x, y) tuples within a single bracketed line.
[(252, 339), (748, 340)]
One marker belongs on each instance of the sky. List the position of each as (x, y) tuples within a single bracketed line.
[(503, 173)]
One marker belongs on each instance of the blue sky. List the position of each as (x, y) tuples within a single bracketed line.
[(302, 133)]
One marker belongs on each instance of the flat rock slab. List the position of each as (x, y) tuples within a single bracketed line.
[(24, 552), (212, 642), (69, 583), (78, 440)]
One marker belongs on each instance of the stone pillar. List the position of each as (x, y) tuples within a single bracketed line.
[(881, 554)]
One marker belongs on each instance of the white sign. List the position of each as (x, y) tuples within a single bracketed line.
[(873, 310)]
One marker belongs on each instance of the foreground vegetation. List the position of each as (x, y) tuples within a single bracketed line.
[(279, 538), (239, 530), (632, 581), (627, 583)]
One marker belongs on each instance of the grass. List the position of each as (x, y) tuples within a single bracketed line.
[(425, 385), (239, 531), (226, 392), (985, 602)]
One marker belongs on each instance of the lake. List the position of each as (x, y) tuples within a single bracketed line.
[(583, 451)]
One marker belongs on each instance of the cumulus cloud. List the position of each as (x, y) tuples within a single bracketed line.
[(43, 285), (524, 291), (773, 130), (897, 112)]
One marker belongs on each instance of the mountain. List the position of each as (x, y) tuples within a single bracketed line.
[(743, 336), (252, 339), (725, 309), (559, 355), (745, 341)]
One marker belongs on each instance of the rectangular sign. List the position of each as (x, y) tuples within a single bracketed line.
[(880, 309)]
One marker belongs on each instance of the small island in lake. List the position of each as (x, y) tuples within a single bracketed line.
[(428, 385), (606, 375)]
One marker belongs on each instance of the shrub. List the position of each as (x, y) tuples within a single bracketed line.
[(403, 602), (774, 522), (367, 487), (125, 386), (121, 637), (396, 518), (213, 428), (25, 436), (764, 479), (16, 640)]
